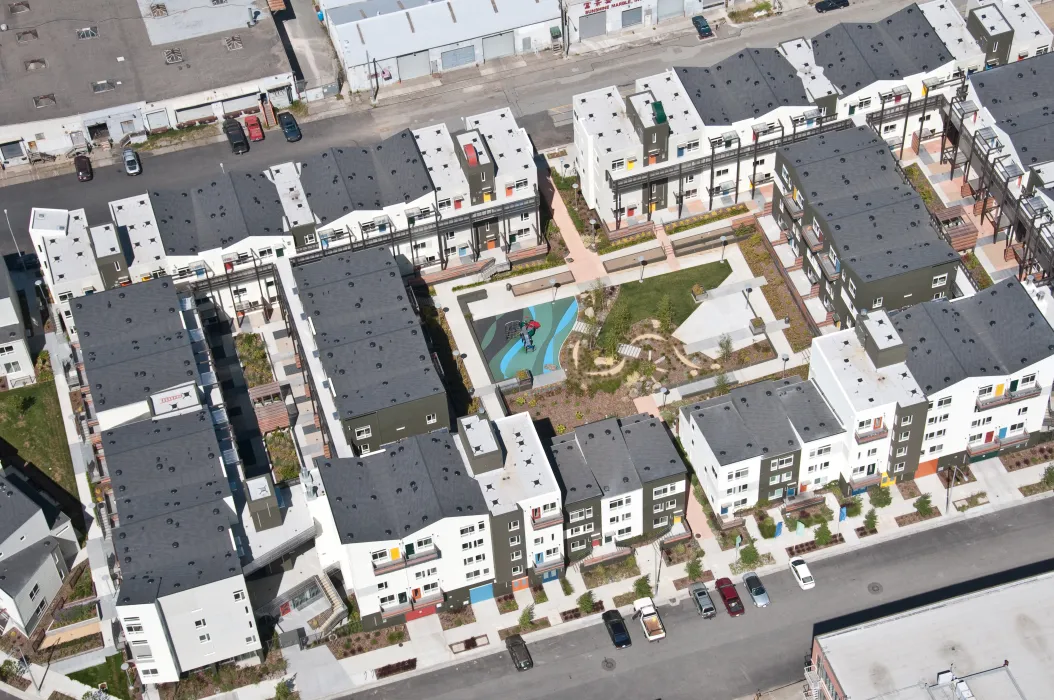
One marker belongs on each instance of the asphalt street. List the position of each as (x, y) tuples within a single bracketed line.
[(727, 658), (540, 100)]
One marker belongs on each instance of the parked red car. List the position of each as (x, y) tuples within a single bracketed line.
[(252, 125), (730, 596)]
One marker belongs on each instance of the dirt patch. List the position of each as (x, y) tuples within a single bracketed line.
[(576, 613), (1035, 489), (604, 574), (863, 532), (681, 552), (681, 583), (449, 619), (964, 476), (909, 490), (912, 518), (535, 626), (1037, 454), (806, 547), (344, 643)]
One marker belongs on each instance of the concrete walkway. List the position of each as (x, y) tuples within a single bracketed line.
[(583, 263)]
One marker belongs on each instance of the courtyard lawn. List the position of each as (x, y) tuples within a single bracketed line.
[(108, 672), (643, 297), (31, 422)]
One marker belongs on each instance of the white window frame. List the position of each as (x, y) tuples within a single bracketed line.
[(363, 432)]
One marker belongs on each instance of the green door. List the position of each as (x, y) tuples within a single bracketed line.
[(1013, 386)]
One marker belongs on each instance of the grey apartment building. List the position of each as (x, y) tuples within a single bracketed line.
[(622, 479), (864, 234), (381, 373)]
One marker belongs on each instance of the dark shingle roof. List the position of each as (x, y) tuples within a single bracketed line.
[(175, 552), (18, 503), (370, 343), (1020, 97), (612, 457), (747, 85), (994, 333), (133, 342), (356, 178), (389, 495), (19, 569), (855, 55)]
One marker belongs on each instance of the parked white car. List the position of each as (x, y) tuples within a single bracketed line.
[(802, 575)]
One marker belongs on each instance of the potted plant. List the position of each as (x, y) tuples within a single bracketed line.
[(757, 325)]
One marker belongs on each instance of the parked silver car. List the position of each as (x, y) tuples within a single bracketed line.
[(757, 591), (132, 166), (704, 605)]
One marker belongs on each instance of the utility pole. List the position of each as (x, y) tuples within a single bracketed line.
[(951, 484)]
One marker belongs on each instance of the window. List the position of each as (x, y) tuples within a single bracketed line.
[(657, 508), (539, 541), (468, 530), (722, 171), (1017, 428), (899, 467), (820, 451), (380, 556), (976, 437), (936, 448), (516, 556), (901, 451), (759, 161), (889, 128), (877, 303), (782, 462), (250, 640), (517, 570), (740, 503), (88, 33), (472, 560), (470, 545), (738, 474), (625, 531), (618, 164), (363, 432), (670, 505), (514, 526), (382, 586), (204, 638), (935, 434), (1027, 380), (774, 479), (578, 545), (852, 288), (939, 295), (577, 515), (818, 467), (364, 447), (661, 491), (944, 402), (691, 146), (424, 543), (431, 418), (619, 503), (35, 592), (133, 629), (514, 541), (103, 86), (425, 574), (522, 185), (552, 552), (904, 436), (385, 600), (787, 476), (483, 176), (864, 425), (199, 624), (661, 522), (1022, 411), (148, 672), (984, 391)]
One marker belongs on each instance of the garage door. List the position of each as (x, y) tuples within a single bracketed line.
[(631, 18), (194, 113), (671, 8), (240, 104), (481, 593), (499, 45), (413, 65), (157, 120), (593, 25), (464, 56)]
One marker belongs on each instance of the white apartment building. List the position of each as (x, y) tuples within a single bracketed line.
[(763, 442), (439, 520), (16, 363)]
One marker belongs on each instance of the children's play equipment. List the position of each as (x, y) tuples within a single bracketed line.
[(524, 329)]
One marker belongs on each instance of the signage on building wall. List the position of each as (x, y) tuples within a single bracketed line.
[(176, 399), (594, 6)]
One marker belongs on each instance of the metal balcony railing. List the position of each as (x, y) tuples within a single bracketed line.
[(813, 237), (406, 560), (830, 270), (864, 436), (792, 207), (547, 520), (863, 481)]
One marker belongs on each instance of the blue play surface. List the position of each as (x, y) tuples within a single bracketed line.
[(506, 355)]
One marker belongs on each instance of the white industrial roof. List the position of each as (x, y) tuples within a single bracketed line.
[(603, 116), (865, 385), (971, 635), (430, 26), (136, 215), (295, 207), (70, 252), (1025, 20)]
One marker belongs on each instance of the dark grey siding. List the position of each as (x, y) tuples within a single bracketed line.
[(112, 269), (503, 551), (916, 430), (585, 537), (649, 502), (996, 47), (399, 421), (770, 469)]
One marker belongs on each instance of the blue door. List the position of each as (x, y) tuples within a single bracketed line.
[(538, 558), (791, 490), (1002, 433), (481, 593), (551, 575), (724, 510)]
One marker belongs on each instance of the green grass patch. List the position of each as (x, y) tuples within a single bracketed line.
[(31, 422), (174, 136), (82, 587), (707, 218), (549, 262), (252, 351), (918, 180), (108, 672), (283, 455), (747, 15), (642, 298), (977, 271)]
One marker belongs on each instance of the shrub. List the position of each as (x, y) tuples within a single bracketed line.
[(665, 313), (768, 528), (826, 513), (694, 569), (395, 637), (527, 618), (8, 670), (871, 519), (823, 534), (566, 586), (749, 556), (725, 346), (880, 496), (282, 691), (1048, 477), (586, 602), (721, 384), (923, 505), (43, 367), (642, 587), (398, 667), (853, 507)]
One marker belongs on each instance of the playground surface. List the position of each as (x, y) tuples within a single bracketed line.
[(502, 343)]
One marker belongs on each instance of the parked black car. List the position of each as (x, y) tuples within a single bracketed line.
[(290, 128), (521, 657), (236, 136), (828, 5), (702, 26), (617, 630), (84, 170)]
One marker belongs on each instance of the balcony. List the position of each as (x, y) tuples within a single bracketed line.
[(864, 436), (1011, 440), (983, 448), (393, 609), (864, 481), (813, 238), (554, 563), (830, 270), (430, 599), (792, 207), (1027, 392), (547, 520), (385, 567)]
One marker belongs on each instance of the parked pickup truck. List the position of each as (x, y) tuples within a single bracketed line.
[(649, 619)]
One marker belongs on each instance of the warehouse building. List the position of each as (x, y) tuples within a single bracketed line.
[(590, 19)]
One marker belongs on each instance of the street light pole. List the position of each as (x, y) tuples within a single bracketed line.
[(665, 392), (593, 227), (951, 485), (724, 242), (10, 230), (643, 262), (555, 285), (786, 358)]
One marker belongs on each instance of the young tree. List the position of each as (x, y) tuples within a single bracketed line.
[(282, 691), (721, 384), (642, 587), (586, 602), (823, 534), (527, 618), (665, 313), (748, 555), (871, 519), (923, 505), (725, 346), (880, 496), (694, 569), (1048, 476)]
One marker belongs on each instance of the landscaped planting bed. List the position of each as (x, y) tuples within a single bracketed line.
[(538, 593), (681, 552), (344, 643), (806, 547), (1035, 489), (76, 613), (764, 559), (912, 518), (507, 603), (449, 619), (82, 586), (1037, 454), (779, 298), (209, 681), (972, 501), (908, 490), (681, 583), (534, 627), (576, 613), (282, 451), (610, 573), (252, 352), (470, 644), (9, 674), (964, 476), (862, 532), (922, 185), (396, 668)]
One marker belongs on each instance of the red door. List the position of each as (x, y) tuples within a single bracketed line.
[(988, 436)]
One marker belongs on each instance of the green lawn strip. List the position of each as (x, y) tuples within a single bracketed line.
[(643, 297), (980, 275), (108, 672), (918, 180), (82, 588), (283, 455), (31, 422), (252, 351)]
